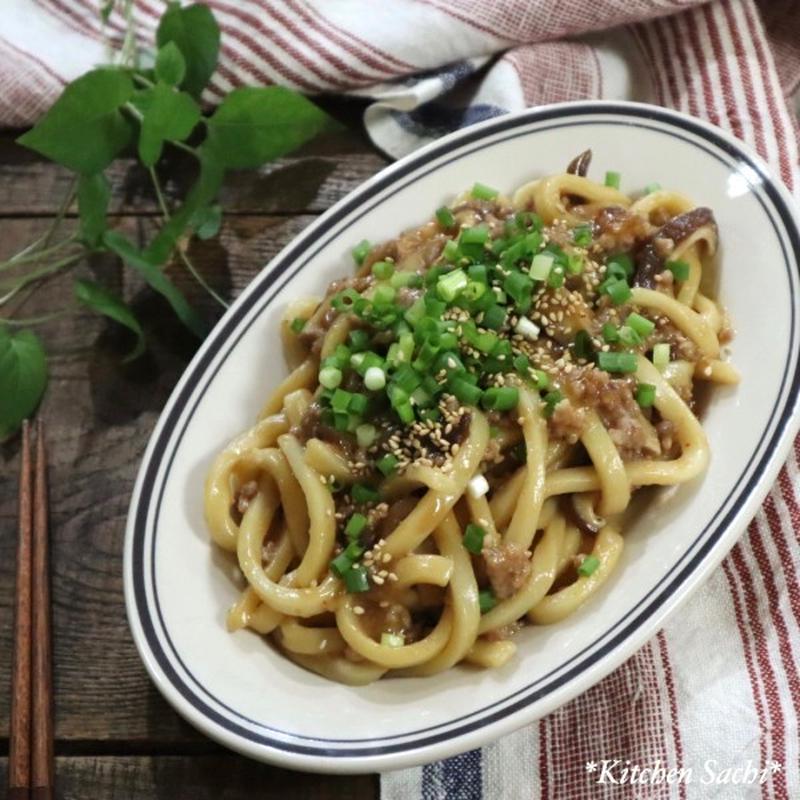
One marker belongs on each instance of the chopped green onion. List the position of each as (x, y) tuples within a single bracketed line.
[(387, 464), (330, 377), (297, 324), (680, 269), (610, 333), (344, 301), (452, 284), (477, 486), (582, 345), (551, 400), (661, 356), (574, 264), (652, 187), (541, 265), (494, 317), (533, 241), (359, 339), (445, 217), (451, 252), (613, 179), (479, 234), (582, 235), (355, 525), (623, 260), (643, 326), (405, 411), (483, 192), (628, 336), (407, 378), (521, 364), (478, 272), (341, 565), (518, 287), (473, 291), (464, 391), (555, 280), (406, 278), (392, 639), (645, 394), (340, 401), (500, 398), (383, 270), (360, 251), (361, 493), (486, 600), (527, 328), (383, 295), (618, 291), (357, 404), (356, 580), (473, 538), (365, 435), (542, 379), (617, 362), (416, 311), (588, 565)]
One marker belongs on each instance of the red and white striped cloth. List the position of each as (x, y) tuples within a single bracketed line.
[(722, 681)]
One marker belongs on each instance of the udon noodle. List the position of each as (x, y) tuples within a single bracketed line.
[(464, 423)]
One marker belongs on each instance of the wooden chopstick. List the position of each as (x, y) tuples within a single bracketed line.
[(31, 773), (42, 693), (19, 746)]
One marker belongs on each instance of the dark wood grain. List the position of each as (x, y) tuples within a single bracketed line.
[(100, 413), (115, 736), (310, 180), (206, 777)]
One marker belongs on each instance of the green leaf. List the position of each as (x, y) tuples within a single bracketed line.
[(94, 194), (152, 273), (85, 129), (196, 34), (206, 221), (98, 298), (167, 114), (254, 125), (105, 9), (170, 64), (23, 378)]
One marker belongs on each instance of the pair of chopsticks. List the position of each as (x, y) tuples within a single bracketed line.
[(30, 757)]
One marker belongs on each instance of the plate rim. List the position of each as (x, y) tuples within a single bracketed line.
[(635, 632)]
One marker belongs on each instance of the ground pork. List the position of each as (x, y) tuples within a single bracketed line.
[(507, 567)]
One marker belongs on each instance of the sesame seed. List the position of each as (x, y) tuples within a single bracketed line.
[(358, 610)]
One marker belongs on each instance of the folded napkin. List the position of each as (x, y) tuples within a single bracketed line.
[(719, 688)]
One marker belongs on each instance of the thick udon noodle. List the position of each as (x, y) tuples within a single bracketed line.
[(287, 533)]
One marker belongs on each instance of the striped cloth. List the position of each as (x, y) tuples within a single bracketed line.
[(719, 687)]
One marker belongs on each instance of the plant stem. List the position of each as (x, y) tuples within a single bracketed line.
[(62, 210), (185, 258), (31, 277), (36, 320), (185, 147), (27, 256), (142, 81)]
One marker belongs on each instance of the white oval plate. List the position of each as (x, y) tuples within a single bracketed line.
[(241, 692)]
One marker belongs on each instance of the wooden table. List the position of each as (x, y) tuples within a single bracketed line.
[(116, 736)]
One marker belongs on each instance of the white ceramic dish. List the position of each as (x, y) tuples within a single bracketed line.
[(238, 690)]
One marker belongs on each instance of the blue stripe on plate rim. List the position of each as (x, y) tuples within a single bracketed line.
[(221, 721)]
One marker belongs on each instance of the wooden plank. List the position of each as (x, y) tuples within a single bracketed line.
[(210, 777), (99, 414), (310, 180)]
